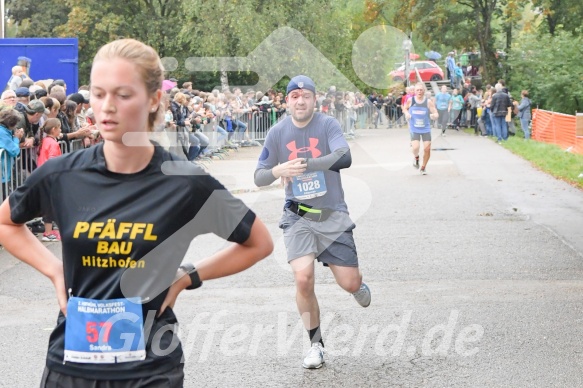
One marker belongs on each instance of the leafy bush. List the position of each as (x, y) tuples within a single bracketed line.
[(550, 68)]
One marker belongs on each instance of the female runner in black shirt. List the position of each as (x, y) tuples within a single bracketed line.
[(127, 212)]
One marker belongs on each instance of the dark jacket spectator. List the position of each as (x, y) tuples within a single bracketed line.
[(31, 115), (179, 111), (500, 102)]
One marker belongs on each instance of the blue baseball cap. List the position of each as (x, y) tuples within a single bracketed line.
[(22, 92), (301, 82)]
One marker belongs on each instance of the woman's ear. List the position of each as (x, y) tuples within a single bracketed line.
[(155, 100)]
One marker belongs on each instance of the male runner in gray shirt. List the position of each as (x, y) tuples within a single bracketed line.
[(308, 150)]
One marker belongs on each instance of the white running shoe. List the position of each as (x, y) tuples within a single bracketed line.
[(315, 357), (51, 237), (362, 296)]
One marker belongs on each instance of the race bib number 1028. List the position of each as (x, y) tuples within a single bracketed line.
[(309, 185)]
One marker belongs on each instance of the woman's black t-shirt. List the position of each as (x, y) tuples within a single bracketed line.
[(123, 236)]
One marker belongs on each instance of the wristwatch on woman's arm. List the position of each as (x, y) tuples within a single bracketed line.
[(191, 271)]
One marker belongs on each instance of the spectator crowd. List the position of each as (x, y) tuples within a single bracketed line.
[(199, 124), (491, 112)]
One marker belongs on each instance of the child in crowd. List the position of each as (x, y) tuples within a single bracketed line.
[(228, 117), (264, 109), (168, 118), (90, 123), (210, 104), (48, 149)]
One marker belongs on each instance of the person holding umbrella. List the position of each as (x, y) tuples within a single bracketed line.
[(433, 55)]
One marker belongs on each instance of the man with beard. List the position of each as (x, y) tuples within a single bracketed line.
[(307, 150)]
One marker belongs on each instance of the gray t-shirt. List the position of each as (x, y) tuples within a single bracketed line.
[(14, 82), (474, 101), (320, 137)]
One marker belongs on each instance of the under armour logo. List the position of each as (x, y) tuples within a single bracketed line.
[(300, 85), (304, 150)]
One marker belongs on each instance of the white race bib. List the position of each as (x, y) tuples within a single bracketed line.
[(309, 185)]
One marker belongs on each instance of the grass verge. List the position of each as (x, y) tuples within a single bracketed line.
[(549, 158)]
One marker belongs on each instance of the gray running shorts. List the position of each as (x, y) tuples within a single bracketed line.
[(331, 240), (421, 136)]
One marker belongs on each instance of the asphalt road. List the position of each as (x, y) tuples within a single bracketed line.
[(476, 272)]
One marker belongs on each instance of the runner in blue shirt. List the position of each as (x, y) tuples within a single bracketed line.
[(419, 111), (457, 104), (443, 105)]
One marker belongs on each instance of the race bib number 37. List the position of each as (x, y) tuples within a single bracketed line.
[(104, 331)]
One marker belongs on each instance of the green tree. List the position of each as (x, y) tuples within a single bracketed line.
[(36, 18), (230, 29), (512, 13), (327, 25), (97, 22), (381, 54), (560, 13), (549, 66), (471, 22), (226, 28)]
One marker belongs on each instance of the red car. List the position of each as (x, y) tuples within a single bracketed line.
[(428, 70)]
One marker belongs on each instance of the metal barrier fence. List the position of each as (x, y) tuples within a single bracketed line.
[(71, 146), (369, 115), (388, 116), (15, 169), (256, 124), (210, 130), (179, 140)]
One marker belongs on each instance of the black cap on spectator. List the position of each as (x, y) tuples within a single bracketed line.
[(40, 93), (78, 98)]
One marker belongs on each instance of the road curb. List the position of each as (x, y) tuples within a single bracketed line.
[(255, 189)]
